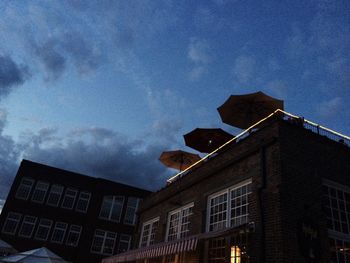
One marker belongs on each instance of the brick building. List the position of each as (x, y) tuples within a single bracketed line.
[(80, 218), (277, 193)]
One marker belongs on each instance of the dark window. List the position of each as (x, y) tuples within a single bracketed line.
[(103, 242), (27, 227), (111, 208), (40, 191), (73, 235), (55, 195), (83, 202), (69, 198), (130, 215), (43, 230), (24, 188), (59, 232), (11, 223), (124, 243)]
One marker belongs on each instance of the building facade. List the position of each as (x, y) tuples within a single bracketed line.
[(80, 218), (280, 193)]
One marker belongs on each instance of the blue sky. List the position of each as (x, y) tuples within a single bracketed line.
[(103, 87)]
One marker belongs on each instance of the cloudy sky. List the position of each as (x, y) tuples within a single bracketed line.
[(103, 87)]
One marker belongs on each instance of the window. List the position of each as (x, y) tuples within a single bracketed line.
[(55, 195), (69, 198), (340, 250), (43, 230), (336, 201), (234, 247), (124, 243), (24, 188), (103, 242), (73, 235), (83, 202), (112, 207), (11, 223), (40, 191), (178, 222), (337, 207), (58, 232), (148, 232), (130, 215), (27, 227), (229, 208)]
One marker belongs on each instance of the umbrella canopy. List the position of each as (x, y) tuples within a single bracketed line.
[(206, 140), (39, 255), (178, 159), (244, 110)]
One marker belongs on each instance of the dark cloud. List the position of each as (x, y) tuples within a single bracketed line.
[(11, 74), (93, 151), (102, 153), (55, 53), (52, 60), (9, 154), (85, 55)]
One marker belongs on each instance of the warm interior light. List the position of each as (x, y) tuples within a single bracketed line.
[(235, 254)]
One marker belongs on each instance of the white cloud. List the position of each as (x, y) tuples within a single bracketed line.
[(198, 51), (244, 69), (331, 108), (198, 54), (197, 72), (278, 88)]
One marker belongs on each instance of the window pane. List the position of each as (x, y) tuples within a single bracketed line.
[(11, 223), (40, 192), (43, 230), (124, 243), (59, 232), (24, 188), (130, 215), (69, 198), (103, 242), (73, 235), (149, 230), (83, 202), (55, 195), (27, 227), (112, 207)]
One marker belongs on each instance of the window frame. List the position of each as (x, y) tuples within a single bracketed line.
[(58, 193), (17, 223), (179, 226), (41, 225), (70, 231), (228, 191), (138, 200), (45, 190), (109, 218), (104, 238), (124, 241), (84, 199), (22, 185), (33, 224), (64, 232), (148, 222), (70, 196)]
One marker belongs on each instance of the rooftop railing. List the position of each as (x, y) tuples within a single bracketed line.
[(314, 127)]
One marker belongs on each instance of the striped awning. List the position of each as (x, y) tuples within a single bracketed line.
[(157, 250)]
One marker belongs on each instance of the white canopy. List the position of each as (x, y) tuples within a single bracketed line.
[(39, 255)]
